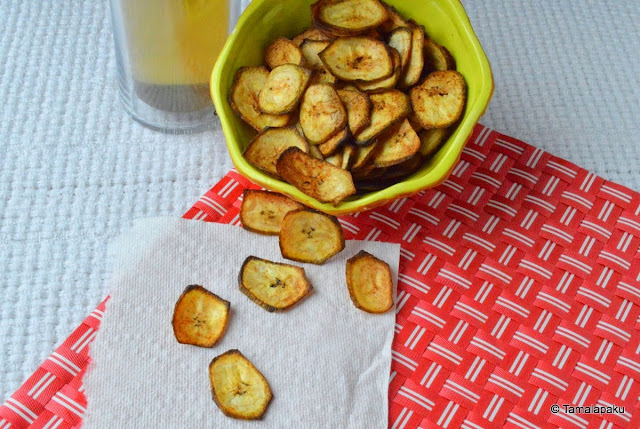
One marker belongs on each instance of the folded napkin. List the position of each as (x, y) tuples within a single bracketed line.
[(327, 363)]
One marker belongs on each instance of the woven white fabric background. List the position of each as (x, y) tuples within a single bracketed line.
[(75, 170)]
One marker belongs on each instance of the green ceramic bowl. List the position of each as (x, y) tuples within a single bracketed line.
[(264, 20)]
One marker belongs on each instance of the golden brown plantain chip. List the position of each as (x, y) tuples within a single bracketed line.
[(358, 59), (315, 152), (386, 83), (335, 159), (199, 317), (265, 148), (263, 211), (388, 107), (362, 157), (322, 76), (401, 39), (439, 101), (310, 50), (436, 57), (415, 123), (358, 108), (283, 89), (413, 70), (394, 21), (312, 34), (321, 113), (282, 51), (431, 140), (310, 236), (397, 145), (318, 179), (369, 282), (406, 168), (237, 387), (348, 156), (243, 99), (272, 285), (346, 17), (330, 146)]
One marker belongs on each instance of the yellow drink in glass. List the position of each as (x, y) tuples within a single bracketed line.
[(169, 49)]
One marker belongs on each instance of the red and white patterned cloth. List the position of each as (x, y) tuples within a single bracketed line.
[(518, 289)]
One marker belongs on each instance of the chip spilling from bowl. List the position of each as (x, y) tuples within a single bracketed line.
[(355, 103)]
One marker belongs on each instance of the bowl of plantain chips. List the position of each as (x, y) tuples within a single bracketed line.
[(345, 105)]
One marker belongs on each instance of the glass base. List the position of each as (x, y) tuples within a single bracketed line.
[(171, 109)]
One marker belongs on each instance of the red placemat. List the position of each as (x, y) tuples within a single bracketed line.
[(518, 289)]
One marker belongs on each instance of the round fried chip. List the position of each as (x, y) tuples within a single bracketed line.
[(439, 101), (283, 89), (344, 17), (272, 285), (310, 236), (263, 211), (369, 282), (358, 58), (247, 84), (237, 387), (265, 149), (199, 317), (321, 113)]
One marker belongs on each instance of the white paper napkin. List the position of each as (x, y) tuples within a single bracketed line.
[(327, 362)]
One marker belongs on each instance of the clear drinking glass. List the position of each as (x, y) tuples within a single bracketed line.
[(165, 51)]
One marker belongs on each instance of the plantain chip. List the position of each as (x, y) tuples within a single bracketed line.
[(335, 159), (413, 70), (321, 113), (386, 83), (265, 148), (318, 179), (370, 172), (199, 317), (363, 156), (237, 387), (436, 57), (347, 17), (358, 108), (272, 285), (348, 156), (394, 21), (312, 34), (404, 169), (310, 50), (369, 282), (397, 145), (358, 59), (243, 99), (315, 152), (415, 123), (283, 89), (439, 100), (282, 51), (323, 76), (310, 236), (373, 34), (334, 143), (263, 211), (401, 40), (388, 107), (431, 140)]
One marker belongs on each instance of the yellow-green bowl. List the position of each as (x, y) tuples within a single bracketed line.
[(445, 21)]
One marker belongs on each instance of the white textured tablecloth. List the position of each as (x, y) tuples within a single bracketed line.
[(75, 170)]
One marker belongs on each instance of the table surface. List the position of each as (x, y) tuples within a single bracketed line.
[(75, 170)]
